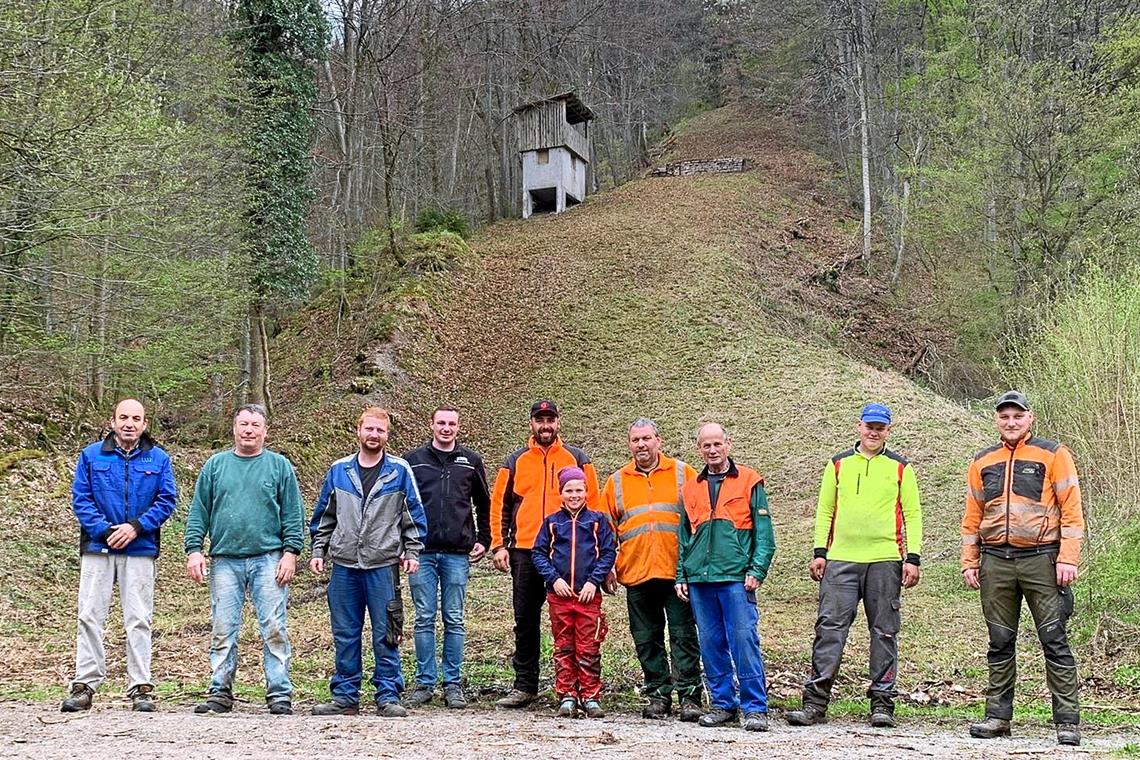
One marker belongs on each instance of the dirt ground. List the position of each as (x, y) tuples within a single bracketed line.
[(112, 731)]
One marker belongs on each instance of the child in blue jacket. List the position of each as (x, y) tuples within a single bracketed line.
[(574, 551)]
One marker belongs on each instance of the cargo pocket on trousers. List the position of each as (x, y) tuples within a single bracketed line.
[(601, 629), (395, 632), (1066, 602)]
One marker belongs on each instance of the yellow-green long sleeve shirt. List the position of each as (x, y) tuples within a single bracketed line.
[(868, 509)]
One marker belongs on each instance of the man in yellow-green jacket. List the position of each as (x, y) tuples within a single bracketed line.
[(868, 537)]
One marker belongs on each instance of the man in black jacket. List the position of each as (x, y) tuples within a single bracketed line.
[(453, 487)]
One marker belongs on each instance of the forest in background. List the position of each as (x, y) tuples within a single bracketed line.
[(179, 177)]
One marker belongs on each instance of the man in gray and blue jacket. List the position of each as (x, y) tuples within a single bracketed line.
[(369, 523)]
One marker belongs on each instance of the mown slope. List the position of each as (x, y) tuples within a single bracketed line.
[(681, 299)]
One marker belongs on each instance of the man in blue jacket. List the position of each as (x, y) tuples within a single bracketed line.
[(122, 493), (369, 523)]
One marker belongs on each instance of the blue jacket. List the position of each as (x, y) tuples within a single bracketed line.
[(366, 532), (575, 549), (111, 488)]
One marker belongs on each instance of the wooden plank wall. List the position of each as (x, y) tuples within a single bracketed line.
[(545, 127)]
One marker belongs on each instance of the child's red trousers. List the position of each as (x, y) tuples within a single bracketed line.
[(579, 629)]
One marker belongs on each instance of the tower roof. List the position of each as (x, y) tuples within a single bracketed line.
[(576, 110)]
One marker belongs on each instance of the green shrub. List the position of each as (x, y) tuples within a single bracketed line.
[(439, 219), (436, 251)]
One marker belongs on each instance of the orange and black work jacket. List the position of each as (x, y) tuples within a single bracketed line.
[(1022, 499), (526, 491), (645, 509), (726, 535)]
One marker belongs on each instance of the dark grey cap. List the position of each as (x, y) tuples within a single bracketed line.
[(1012, 398)]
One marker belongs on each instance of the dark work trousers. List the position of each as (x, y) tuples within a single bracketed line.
[(879, 585), (528, 595), (1005, 582), (650, 604)]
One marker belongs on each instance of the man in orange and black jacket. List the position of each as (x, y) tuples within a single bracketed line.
[(525, 492), (1021, 538)]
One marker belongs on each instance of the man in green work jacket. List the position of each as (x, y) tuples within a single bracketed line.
[(868, 536)]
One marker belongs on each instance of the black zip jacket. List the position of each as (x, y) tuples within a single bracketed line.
[(453, 488)]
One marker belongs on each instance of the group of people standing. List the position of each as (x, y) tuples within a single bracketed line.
[(691, 549)]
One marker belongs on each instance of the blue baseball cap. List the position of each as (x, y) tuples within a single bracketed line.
[(876, 413)]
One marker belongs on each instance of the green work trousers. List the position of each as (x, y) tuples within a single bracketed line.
[(1005, 582), (650, 604)]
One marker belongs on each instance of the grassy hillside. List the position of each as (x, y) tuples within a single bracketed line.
[(681, 299)]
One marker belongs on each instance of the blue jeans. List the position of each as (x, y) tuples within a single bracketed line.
[(440, 584), (230, 577), (351, 592), (726, 618)]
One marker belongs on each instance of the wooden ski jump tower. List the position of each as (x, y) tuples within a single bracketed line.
[(554, 142)]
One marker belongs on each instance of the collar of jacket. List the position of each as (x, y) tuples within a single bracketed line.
[(440, 454), (532, 444), (859, 451), (146, 443), (573, 515), (1022, 441), (663, 463), (731, 473)]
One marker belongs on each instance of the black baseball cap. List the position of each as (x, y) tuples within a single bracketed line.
[(1012, 398), (543, 406)]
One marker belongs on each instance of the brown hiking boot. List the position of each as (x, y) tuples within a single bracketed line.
[(516, 698), (1069, 734), (142, 698), (808, 715), (990, 728), (79, 699)]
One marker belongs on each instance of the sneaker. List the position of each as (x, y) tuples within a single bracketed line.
[(808, 715), (453, 697), (593, 709), (755, 721), (1069, 734), (880, 718), (516, 698), (79, 699), (420, 695), (657, 709), (281, 707), (990, 728), (717, 717), (214, 703), (568, 708), (391, 710), (335, 708), (142, 698), (690, 712)]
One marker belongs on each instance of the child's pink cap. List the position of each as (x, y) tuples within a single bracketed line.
[(566, 474)]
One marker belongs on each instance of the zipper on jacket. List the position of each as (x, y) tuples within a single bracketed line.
[(126, 489), (573, 548), (1009, 489)]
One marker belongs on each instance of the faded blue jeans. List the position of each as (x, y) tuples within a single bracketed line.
[(440, 585), (351, 592), (230, 578), (726, 618)]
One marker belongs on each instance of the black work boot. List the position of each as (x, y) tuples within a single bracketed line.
[(717, 716), (1069, 734), (690, 712), (216, 702), (882, 714), (808, 715), (79, 699), (335, 708), (990, 728), (657, 709)]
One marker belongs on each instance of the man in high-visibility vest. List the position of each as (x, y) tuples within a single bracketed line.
[(643, 501)]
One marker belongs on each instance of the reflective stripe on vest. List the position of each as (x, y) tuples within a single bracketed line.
[(674, 507)]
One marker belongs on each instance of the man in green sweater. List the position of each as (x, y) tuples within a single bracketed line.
[(248, 502), (868, 535)]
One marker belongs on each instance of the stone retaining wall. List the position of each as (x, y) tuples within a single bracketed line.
[(699, 166)]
